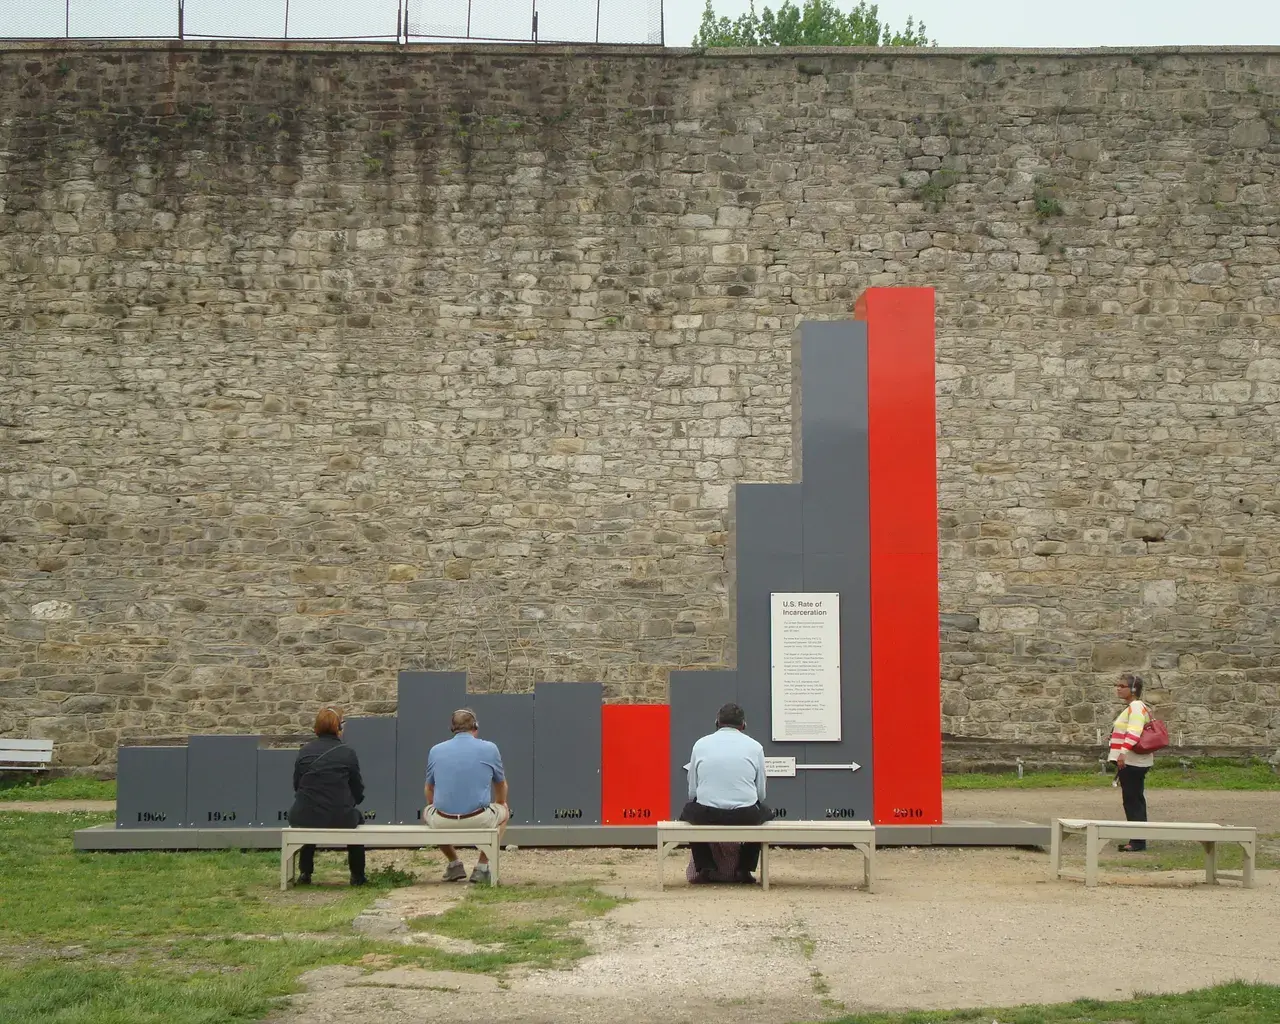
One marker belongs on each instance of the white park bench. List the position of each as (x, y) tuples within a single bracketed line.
[(861, 835), (1097, 832), (405, 837), (25, 755)]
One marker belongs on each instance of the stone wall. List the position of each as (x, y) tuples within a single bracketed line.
[(320, 362)]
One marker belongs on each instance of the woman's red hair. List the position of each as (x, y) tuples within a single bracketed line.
[(328, 722)]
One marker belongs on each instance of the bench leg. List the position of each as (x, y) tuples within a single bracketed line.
[(662, 853), (868, 864), (1210, 862), (1250, 858), (1091, 849), (1055, 850), (764, 866), (495, 848), (286, 866)]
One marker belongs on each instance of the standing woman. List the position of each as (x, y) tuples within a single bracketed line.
[(326, 788), (1131, 766)]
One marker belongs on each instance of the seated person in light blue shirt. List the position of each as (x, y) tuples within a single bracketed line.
[(726, 787), (466, 788)]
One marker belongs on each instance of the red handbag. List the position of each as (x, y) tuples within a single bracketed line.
[(1155, 736)]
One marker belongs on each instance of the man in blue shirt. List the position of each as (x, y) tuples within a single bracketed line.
[(466, 788), (726, 787)]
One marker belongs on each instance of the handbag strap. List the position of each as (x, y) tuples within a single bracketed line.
[(312, 766)]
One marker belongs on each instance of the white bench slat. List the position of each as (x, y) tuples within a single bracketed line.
[(412, 837), (1208, 834), (8, 743), (859, 834), (25, 756)]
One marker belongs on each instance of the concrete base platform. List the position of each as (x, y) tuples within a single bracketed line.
[(951, 833)]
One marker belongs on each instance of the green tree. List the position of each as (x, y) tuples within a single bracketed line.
[(818, 23)]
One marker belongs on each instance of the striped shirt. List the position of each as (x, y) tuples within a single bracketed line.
[(1125, 732)]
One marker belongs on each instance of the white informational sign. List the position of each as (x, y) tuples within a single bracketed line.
[(805, 654), (780, 767)]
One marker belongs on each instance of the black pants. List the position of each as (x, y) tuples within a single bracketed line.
[(355, 861), (748, 853), (1132, 791)]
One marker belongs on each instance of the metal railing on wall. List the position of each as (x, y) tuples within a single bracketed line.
[(402, 21)]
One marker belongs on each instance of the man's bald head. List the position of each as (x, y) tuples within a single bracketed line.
[(464, 720)]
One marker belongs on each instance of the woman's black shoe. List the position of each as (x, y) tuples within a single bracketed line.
[(360, 881), (304, 880)]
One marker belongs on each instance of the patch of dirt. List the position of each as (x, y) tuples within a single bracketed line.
[(58, 806), (944, 928)]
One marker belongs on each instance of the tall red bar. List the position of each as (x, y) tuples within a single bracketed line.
[(905, 684), (636, 764)]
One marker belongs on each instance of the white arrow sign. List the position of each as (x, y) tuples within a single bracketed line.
[(852, 767)]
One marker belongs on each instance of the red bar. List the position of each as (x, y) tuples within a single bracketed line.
[(636, 764), (906, 714)]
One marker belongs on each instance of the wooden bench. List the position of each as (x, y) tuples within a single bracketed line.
[(25, 755), (861, 835), (405, 837), (1097, 832)]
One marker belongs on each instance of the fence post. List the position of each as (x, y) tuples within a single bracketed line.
[(67, 22), (597, 22), (535, 20), (181, 16), (286, 19)]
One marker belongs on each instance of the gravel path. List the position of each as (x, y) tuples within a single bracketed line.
[(58, 806), (945, 928), (1259, 808)]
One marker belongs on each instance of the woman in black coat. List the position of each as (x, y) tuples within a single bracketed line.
[(326, 788)]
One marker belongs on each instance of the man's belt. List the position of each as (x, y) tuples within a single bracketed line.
[(459, 817)]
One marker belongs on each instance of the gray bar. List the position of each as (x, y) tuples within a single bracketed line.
[(374, 741), (425, 700), (567, 736), (151, 787), (275, 787), (507, 720), (222, 781), (831, 408), (695, 698), (768, 520)]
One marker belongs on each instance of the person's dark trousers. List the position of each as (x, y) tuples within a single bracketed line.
[(355, 862), (1133, 793), (748, 853)]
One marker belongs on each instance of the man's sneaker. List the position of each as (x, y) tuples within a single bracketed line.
[(455, 872), (481, 873)]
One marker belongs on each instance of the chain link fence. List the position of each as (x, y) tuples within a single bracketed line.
[(517, 21)]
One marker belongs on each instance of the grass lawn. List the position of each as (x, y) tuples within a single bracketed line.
[(1204, 773), (134, 938), (72, 787), (1236, 1003)]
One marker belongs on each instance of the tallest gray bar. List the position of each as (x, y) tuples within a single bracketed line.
[(830, 410)]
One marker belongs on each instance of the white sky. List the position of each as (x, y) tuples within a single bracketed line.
[(1024, 23)]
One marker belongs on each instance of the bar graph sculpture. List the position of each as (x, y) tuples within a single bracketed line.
[(860, 520)]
